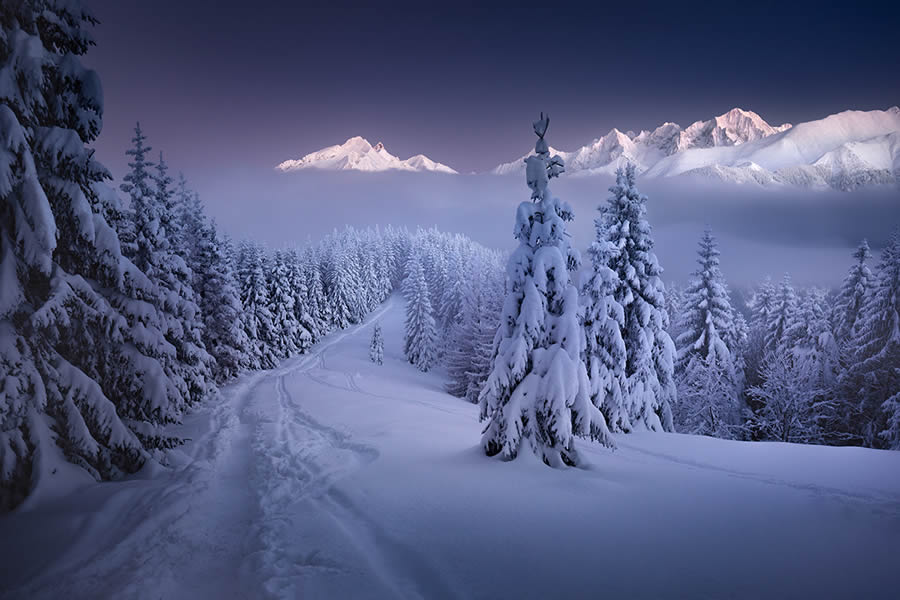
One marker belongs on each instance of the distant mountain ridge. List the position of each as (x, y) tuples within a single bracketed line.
[(843, 151), (358, 154)]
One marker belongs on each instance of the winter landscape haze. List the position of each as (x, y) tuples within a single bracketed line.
[(240, 358)]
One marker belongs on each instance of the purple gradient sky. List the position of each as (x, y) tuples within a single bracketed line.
[(234, 84)]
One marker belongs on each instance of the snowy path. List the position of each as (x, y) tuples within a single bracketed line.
[(331, 477)]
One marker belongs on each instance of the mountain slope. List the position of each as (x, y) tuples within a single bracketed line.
[(358, 154), (843, 151)]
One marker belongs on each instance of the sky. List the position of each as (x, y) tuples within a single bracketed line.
[(238, 83), (230, 89)]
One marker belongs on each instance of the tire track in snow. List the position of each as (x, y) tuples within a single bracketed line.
[(299, 487), (170, 525)]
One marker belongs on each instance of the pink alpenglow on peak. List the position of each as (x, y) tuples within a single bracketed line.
[(357, 154), (844, 151)]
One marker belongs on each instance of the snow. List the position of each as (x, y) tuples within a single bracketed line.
[(332, 477), (843, 151), (359, 155)]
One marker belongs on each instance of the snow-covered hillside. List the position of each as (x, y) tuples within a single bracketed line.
[(359, 155), (333, 477), (843, 151)]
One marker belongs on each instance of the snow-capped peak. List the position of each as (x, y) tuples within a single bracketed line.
[(359, 155), (842, 151)]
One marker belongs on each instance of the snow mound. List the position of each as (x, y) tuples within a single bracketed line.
[(357, 154)]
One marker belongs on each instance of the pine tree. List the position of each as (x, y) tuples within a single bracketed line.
[(341, 287), (376, 347), (874, 378), (762, 304), (708, 317), (215, 285), (281, 306), (81, 348), (705, 360), (471, 337), (604, 320), (849, 303), (779, 318), (220, 299), (674, 307), (300, 294), (153, 222), (316, 303), (538, 390), (421, 336), (650, 353), (259, 324)]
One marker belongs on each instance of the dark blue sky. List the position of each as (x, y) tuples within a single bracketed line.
[(248, 84)]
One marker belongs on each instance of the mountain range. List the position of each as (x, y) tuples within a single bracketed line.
[(357, 154), (843, 151)]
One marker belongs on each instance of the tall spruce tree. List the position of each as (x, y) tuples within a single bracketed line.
[(708, 382), (779, 318), (874, 378), (850, 300), (216, 288), (259, 324), (421, 336), (538, 392), (650, 353), (604, 320)]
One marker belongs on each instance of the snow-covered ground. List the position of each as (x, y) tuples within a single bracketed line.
[(332, 477)]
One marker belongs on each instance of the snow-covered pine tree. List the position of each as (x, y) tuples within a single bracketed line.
[(650, 353), (604, 320), (874, 377), (450, 308), (707, 318), (341, 289), (153, 220), (316, 303), (281, 305), (384, 265), (176, 282), (300, 293), (784, 304), (421, 337), (816, 358), (851, 298), (376, 346), (486, 324), (707, 374), (258, 321), (471, 337), (674, 306), (216, 287), (761, 306), (538, 390), (220, 300), (80, 345)]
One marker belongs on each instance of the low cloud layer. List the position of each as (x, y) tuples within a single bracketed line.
[(762, 231)]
